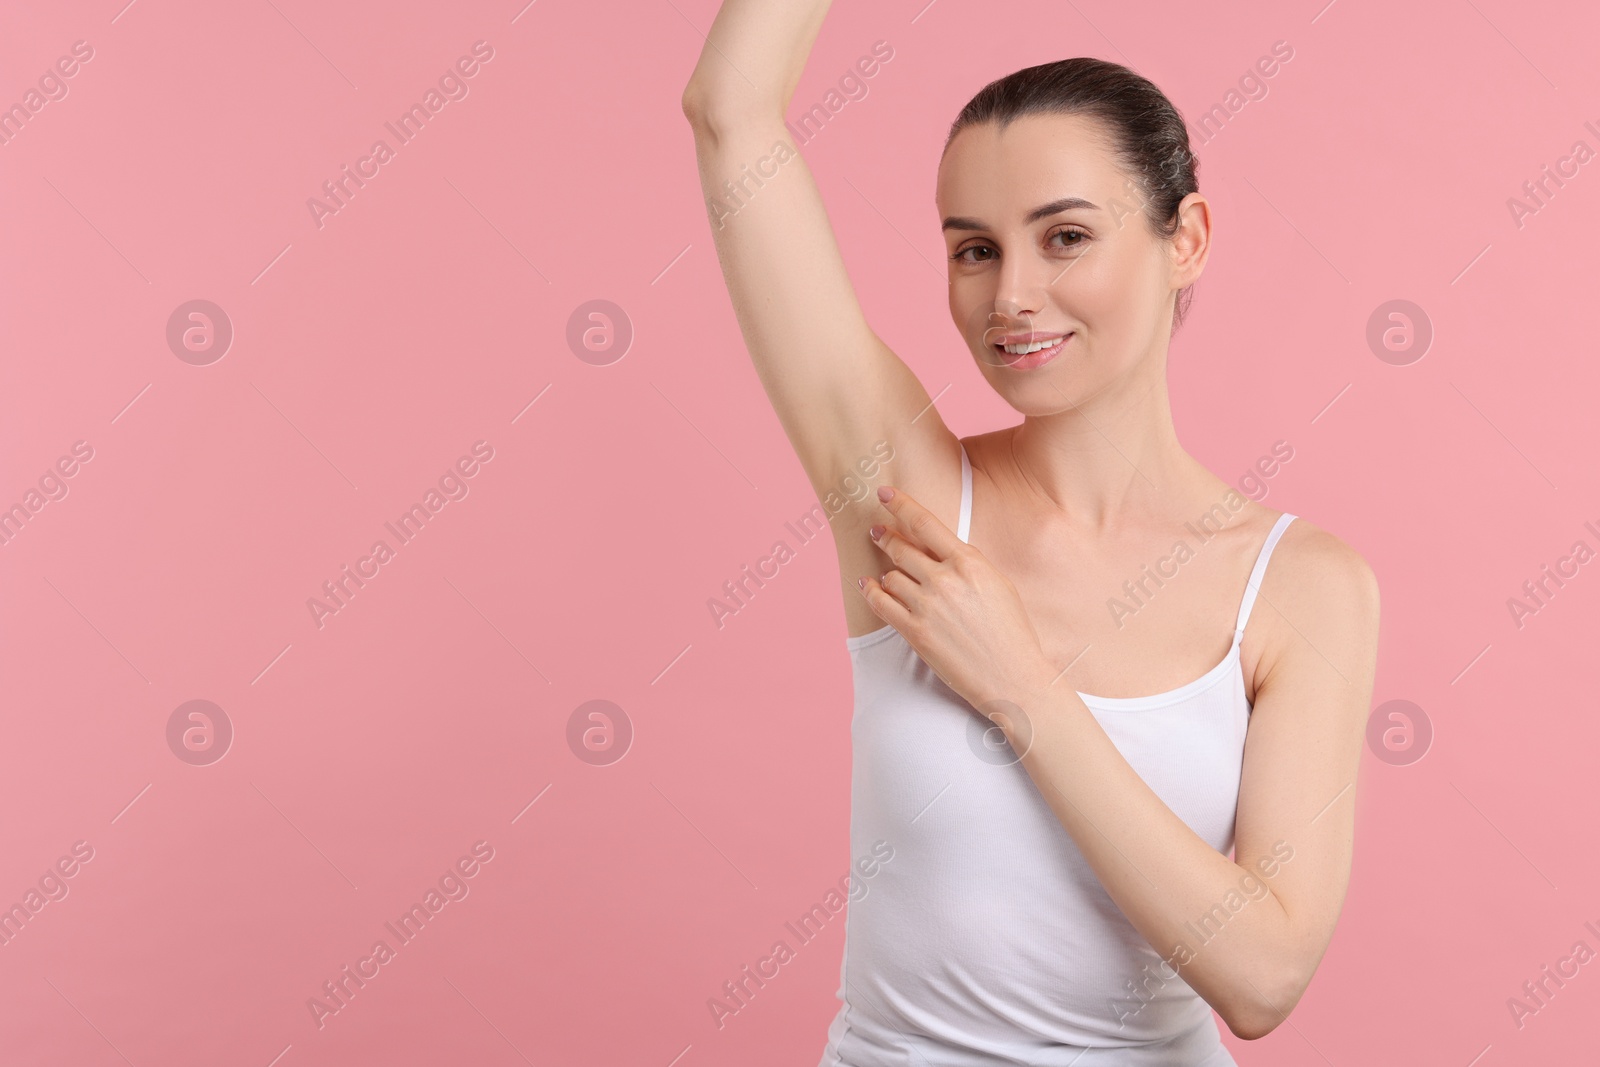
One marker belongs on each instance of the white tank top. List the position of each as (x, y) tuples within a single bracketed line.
[(987, 939)]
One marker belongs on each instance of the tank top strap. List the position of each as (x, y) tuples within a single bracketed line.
[(1259, 570), (964, 523)]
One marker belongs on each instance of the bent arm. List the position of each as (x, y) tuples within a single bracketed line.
[(836, 387), (1245, 933)]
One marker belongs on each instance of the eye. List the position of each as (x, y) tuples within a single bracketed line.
[(961, 256), (1071, 236)]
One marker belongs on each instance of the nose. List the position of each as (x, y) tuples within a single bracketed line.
[(1020, 290)]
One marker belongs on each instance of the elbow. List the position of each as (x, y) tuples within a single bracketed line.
[(713, 109), (1265, 1003), (707, 114), (695, 103), (1252, 1027)]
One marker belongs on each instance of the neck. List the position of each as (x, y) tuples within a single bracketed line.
[(1109, 460)]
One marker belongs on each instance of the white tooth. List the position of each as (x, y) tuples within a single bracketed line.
[(1021, 349)]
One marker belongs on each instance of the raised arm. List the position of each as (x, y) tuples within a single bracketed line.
[(837, 388)]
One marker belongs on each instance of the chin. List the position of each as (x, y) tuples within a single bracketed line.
[(1042, 394)]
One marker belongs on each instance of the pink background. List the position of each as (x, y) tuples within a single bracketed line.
[(372, 352)]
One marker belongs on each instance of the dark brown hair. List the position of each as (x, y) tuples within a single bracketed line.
[(1147, 133)]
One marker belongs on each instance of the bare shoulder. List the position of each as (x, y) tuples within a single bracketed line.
[(1322, 598), (1315, 568)]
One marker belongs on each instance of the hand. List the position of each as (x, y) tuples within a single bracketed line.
[(962, 616)]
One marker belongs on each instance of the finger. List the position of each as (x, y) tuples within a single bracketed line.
[(903, 588), (920, 524), (885, 606), (902, 552)]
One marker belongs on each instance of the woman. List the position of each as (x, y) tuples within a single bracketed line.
[(1044, 733)]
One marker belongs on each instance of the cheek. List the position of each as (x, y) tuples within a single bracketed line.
[(1107, 292), (1098, 272), (969, 312)]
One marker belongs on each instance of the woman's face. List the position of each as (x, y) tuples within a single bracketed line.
[(1048, 244)]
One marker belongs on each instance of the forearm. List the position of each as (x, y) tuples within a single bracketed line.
[(753, 57), (1176, 890)]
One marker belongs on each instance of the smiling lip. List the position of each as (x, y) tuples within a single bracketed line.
[(1032, 359)]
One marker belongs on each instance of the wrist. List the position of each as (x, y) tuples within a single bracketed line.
[(1025, 699), (1035, 688)]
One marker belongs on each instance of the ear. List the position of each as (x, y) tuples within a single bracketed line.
[(1192, 243)]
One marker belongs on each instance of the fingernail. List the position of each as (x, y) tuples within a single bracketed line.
[(861, 583), (875, 532), (885, 494)]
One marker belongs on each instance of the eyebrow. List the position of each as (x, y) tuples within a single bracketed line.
[(1055, 207)]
